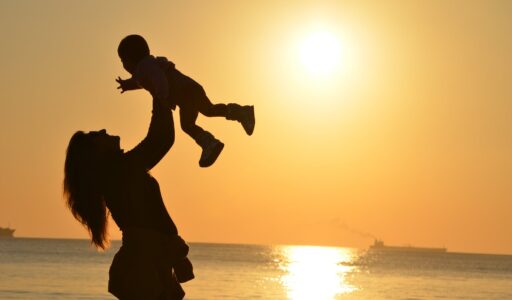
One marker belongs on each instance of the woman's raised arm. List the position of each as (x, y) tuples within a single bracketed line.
[(158, 140)]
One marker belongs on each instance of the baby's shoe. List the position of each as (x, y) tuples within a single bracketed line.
[(242, 114), (212, 148)]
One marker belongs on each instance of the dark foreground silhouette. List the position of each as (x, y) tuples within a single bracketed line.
[(101, 178), (160, 77)]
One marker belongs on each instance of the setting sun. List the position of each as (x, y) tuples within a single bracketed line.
[(320, 52)]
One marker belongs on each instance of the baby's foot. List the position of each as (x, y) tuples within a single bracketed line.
[(247, 119), (242, 114), (210, 152)]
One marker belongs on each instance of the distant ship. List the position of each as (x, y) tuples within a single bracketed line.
[(379, 245), (6, 232)]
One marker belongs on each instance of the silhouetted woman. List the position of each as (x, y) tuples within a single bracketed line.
[(101, 178)]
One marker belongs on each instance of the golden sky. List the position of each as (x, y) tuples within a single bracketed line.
[(403, 131)]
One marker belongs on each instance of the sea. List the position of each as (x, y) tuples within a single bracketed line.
[(47, 269)]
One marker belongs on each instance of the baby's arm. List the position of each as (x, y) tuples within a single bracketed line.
[(151, 77), (127, 84)]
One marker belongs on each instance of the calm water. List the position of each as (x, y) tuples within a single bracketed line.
[(70, 269)]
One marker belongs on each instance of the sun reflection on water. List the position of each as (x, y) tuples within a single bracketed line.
[(316, 272)]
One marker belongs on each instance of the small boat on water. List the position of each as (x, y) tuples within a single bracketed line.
[(379, 245), (6, 232)]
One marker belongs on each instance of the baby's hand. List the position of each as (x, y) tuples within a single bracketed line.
[(123, 84)]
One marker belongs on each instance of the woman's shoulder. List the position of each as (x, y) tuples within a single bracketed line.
[(127, 166)]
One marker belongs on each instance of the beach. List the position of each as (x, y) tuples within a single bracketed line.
[(70, 269)]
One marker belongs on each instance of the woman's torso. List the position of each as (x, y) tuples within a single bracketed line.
[(134, 200)]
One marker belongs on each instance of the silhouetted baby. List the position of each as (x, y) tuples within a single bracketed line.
[(159, 76)]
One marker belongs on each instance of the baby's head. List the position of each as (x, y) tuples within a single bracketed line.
[(132, 49)]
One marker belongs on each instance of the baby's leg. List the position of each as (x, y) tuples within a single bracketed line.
[(188, 117), (231, 111), (211, 146), (205, 106)]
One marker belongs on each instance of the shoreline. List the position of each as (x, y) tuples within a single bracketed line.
[(454, 252)]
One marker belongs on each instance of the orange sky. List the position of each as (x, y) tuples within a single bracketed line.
[(409, 139)]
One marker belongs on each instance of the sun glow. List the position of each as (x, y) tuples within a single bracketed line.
[(321, 53), (316, 272)]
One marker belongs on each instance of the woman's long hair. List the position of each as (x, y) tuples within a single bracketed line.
[(84, 173)]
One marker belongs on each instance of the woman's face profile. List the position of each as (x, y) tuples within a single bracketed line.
[(106, 142)]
